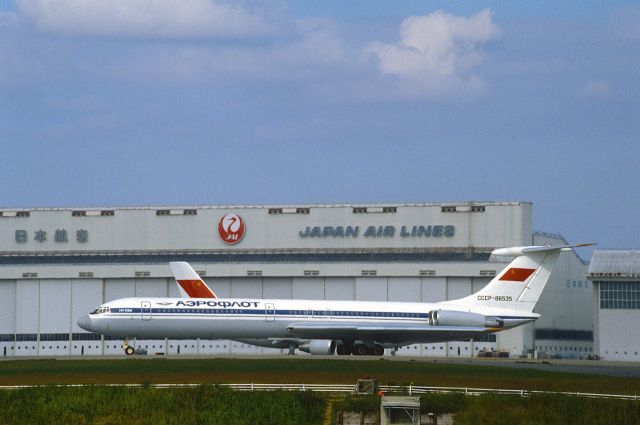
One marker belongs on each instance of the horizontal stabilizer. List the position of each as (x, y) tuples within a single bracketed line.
[(524, 250)]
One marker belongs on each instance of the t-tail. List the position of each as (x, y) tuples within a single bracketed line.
[(190, 284), (519, 285)]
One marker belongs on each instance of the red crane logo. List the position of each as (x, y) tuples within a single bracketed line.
[(231, 229)]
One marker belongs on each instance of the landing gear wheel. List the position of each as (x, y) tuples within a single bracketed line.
[(378, 350), (343, 350), (360, 350), (129, 350)]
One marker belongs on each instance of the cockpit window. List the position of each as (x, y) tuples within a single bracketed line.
[(100, 310)]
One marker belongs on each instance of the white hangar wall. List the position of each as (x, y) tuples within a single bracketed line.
[(57, 264), (271, 228), (566, 325), (615, 275)]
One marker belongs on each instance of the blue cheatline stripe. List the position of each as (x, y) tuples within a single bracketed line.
[(261, 312)]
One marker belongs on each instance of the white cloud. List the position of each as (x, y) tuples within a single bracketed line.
[(302, 52), (437, 53), (143, 18), (436, 57), (597, 89), (310, 53)]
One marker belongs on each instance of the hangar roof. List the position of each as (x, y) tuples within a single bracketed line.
[(615, 263), (258, 206)]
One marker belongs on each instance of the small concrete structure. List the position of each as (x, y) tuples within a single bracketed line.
[(400, 410), (367, 386)]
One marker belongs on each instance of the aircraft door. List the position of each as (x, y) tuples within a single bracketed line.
[(269, 312), (146, 310)]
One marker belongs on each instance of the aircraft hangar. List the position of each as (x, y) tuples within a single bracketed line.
[(615, 276), (57, 264)]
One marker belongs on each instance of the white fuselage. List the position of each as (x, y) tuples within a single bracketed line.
[(506, 301), (394, 323)]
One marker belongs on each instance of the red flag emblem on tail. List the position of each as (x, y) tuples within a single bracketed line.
[(195, 289), (515, 274)]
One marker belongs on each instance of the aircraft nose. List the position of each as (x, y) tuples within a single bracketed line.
[(85, 323)]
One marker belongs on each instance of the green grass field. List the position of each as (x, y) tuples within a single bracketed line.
[(149, 406), (299, 370), (539, 409), (206, 404), (547, 410)]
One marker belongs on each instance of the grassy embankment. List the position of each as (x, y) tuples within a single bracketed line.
[(99, 405), (515, 410), (183, 406), (296, 370)]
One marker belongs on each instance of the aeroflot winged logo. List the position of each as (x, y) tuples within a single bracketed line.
[(231, 229)]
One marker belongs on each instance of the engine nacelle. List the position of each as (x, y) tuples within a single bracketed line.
[(319, 347), (462, 318)]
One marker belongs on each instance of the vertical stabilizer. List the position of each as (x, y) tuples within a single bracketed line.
[(519, 286), (190, 284)]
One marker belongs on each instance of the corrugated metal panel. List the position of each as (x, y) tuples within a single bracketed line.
[(310, 227), (28, 306), (615, 263), (86, 294), (224, 207), (55, 306), (7, 306), (371, 288), (241, 257), (340, 288), (404, 288)]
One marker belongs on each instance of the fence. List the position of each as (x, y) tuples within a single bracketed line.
[(347, 388)]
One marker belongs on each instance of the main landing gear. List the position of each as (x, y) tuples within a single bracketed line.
[(343, 350), (360, 349)]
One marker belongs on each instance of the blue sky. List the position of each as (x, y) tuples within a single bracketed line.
[(155, 102)]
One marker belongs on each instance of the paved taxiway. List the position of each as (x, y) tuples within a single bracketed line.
[(591, 367)]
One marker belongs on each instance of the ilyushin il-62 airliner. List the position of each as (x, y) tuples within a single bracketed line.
[(324, 326)]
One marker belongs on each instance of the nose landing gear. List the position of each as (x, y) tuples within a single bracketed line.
[(128, 350)]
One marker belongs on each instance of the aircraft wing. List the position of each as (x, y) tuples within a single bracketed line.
[(382, 332)]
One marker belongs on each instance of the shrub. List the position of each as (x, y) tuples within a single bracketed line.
[(548, 409), (202, 405), (359, 403), (442, 403)]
